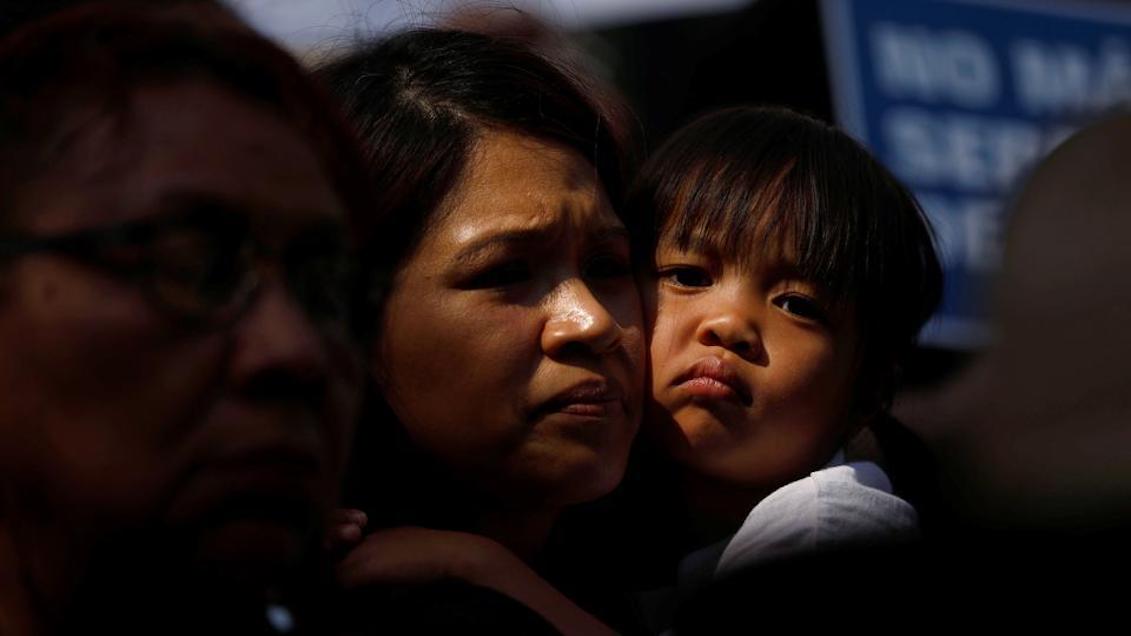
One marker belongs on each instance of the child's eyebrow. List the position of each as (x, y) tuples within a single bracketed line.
[(700, 238), (783, 269), (700, 242)]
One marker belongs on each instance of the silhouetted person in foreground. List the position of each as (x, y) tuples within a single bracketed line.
[(178, 380), (1036, 430)]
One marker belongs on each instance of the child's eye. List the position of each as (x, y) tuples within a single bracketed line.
[(499, 275), (801, 306), (686, 276)]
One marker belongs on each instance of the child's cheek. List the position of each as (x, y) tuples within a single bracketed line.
[(650, 303), (664, 340)]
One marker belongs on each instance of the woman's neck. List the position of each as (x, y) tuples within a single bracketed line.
[(523, 532)]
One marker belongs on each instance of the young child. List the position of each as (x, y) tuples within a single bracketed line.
[(792, 275)]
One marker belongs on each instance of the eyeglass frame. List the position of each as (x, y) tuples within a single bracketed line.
[(90, 246)]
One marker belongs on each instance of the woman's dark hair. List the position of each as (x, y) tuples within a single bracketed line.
[(750, 181), (421, 99), (84, 63)]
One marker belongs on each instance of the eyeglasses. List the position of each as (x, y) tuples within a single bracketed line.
[(205, 266)]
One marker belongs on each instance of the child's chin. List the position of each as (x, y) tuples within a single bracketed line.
[(694, 432)]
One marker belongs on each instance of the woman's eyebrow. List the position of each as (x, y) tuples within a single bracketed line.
[(499, 241), (526, 237)]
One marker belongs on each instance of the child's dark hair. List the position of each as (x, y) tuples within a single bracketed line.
[(745, 180)]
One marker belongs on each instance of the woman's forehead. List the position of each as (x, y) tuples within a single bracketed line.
[(516, 184)]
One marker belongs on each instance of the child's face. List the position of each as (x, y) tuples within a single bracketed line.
[(752, 369)]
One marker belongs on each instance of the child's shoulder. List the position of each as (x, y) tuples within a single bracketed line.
[(840, 506)]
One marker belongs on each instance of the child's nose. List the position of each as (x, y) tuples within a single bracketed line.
[(733, 331)]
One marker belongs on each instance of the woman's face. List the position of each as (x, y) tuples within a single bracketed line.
[(752, 369), (512, 346)]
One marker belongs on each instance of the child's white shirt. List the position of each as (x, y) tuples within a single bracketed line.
[(841, 505)]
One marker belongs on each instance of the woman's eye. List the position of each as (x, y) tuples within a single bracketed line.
[(500, 275), (608, 266), (684, 276), (801, 306)]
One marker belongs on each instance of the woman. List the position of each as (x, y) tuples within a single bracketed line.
[(509, 349)]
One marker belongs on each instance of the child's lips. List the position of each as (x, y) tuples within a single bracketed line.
[(714, 378)]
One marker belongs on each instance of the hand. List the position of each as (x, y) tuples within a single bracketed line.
[(421, 555), (347, 526)]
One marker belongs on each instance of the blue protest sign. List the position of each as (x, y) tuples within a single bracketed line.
[(960, 99)]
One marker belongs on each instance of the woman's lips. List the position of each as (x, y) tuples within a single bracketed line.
[(590, 409), (714, 379), (591, 398)]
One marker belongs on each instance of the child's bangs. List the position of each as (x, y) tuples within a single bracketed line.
[(770, 211)]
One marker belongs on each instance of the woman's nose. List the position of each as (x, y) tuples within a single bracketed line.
[(578, 320)]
